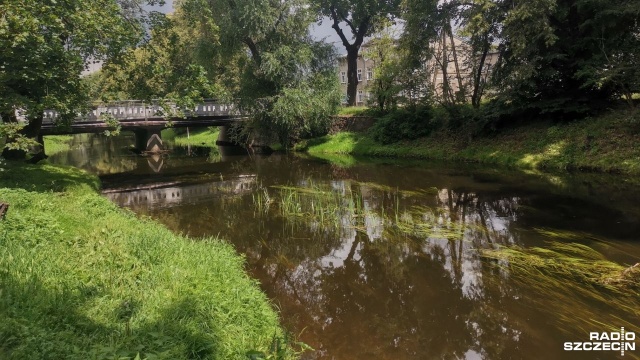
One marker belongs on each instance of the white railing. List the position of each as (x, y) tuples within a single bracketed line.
[(140, 110)]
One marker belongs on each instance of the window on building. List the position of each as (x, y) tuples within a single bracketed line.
[(343, 77), (360, 98), (359, 74), (369, 74)]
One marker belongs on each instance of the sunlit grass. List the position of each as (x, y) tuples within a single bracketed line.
[(352, 110), (54, 144), (199, 137), (82, 279), (606, 143)]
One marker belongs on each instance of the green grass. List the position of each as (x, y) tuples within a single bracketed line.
[(608, 144), (82, 279), (54, 144), (353, 111), (574, 275), (198, 137)]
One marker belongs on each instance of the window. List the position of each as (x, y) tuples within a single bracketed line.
[(369, 74), (359, 74), (360, 96), (343, 77)]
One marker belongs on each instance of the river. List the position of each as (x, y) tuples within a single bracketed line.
[(391, 259)]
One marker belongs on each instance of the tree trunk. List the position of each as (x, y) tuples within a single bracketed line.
[(461, 95), (446, 89), (477, 83), (352, 75)]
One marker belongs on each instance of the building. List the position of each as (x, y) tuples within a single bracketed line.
[(365, 77), (459, 71)]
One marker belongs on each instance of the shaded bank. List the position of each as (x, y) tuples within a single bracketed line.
[(606, 144), (81, 278)]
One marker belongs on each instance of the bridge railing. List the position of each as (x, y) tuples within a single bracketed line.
[(135, 109)]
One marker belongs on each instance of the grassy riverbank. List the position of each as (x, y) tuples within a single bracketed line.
[(608, 143), (82, 279), (197, 137), (54, 144)]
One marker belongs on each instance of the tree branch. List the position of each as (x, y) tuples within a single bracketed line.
[(336, 27)]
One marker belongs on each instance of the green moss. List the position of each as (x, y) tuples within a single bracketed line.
[(607, 143), (81, 278)]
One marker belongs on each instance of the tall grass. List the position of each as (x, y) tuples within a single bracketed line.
[(570, 279), (83, 279), (322, 207)]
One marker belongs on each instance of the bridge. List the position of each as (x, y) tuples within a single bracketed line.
[(160, 195), (145, 119)]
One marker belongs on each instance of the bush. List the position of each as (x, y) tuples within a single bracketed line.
[(404, 124)]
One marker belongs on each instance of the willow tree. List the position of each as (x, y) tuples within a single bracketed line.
[(353, 20), (44, 48), (282, 77)]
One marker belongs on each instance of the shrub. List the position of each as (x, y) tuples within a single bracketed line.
[(404, 124)]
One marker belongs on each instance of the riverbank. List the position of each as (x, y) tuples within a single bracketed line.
[(608, 143), (206, 137), (82, 278)]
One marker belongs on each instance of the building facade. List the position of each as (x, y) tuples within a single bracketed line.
[(365, 78), (454, 79)]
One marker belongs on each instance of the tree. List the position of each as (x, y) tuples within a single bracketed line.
[(282, 77), (174, 64), (567, 57), (44, 48), (360, 18)]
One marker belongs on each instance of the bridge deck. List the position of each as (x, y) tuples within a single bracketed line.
[(133, 115)]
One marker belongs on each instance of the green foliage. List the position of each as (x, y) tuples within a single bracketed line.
[(606, 143), (283, 78), (18, 141), (362, 18), (403, 124), (44, 47), (176, 63), (83, 279)]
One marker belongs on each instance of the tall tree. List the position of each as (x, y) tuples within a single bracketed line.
[(359, 17), (178, 63), (568, 56), (285, 79), (44, 48)]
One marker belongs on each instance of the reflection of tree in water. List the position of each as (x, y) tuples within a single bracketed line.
[(398, 294), (99, 154), (371, 288)]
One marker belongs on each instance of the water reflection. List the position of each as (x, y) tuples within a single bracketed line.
[(381, 260)]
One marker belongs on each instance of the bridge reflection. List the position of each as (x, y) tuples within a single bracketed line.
[(161, 195)]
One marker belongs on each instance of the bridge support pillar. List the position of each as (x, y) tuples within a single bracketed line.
[(149, 140)]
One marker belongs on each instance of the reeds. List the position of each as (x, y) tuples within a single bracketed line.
[(572, 278)]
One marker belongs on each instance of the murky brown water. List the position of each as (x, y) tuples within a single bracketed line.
[(382, 259)]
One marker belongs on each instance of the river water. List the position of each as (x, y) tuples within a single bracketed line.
[(388, 259)]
